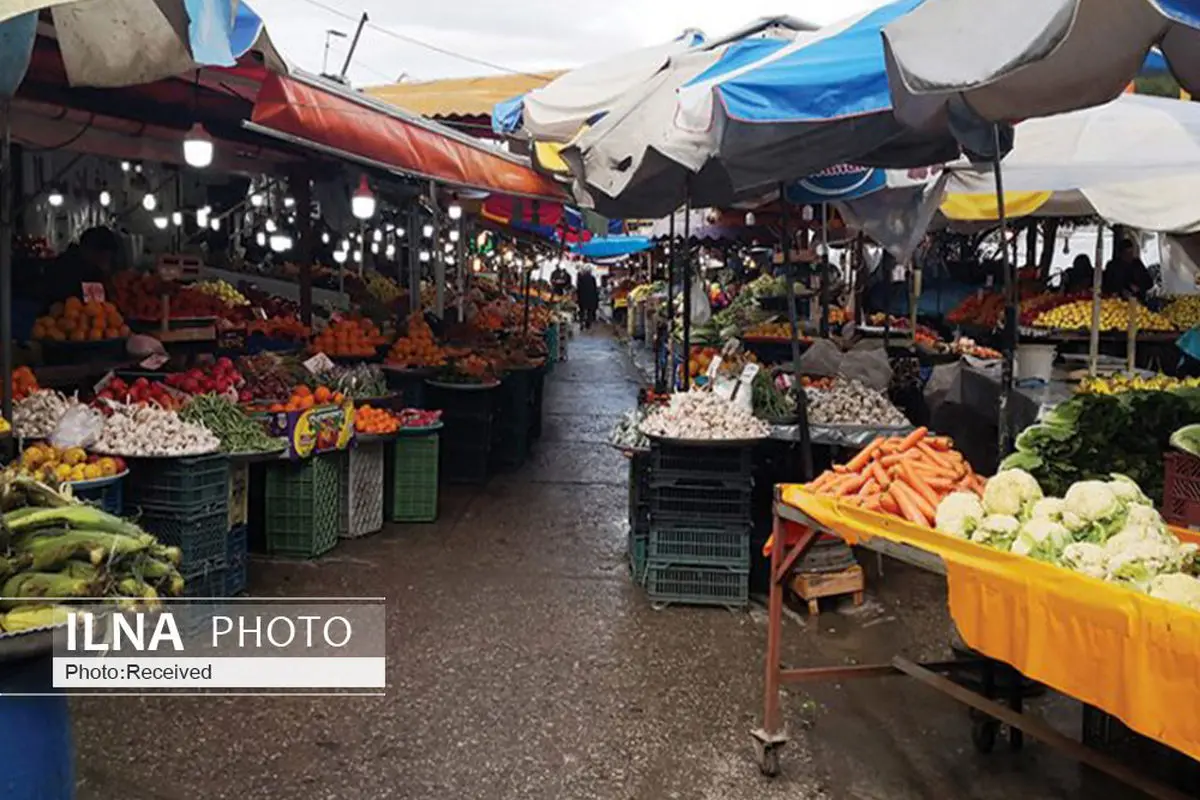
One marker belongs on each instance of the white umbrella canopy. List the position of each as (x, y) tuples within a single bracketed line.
[(1017, 59), (1136, 160), (557, 111), (114, 43)]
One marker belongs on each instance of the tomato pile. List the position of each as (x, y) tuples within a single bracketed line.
[(416, 418), (140, 391), (221, 379)]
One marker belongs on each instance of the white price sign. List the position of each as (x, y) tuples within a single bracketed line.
[(318, 364)]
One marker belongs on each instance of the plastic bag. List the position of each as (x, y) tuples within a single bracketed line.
[(701, 308), (870, 367), (822, 358), (79, 427)]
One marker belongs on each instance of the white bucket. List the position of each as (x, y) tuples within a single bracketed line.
[(1035, 361)]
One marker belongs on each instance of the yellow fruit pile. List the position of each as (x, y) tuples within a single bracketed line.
[(1184, 311), (1114, 316), (47, 462), (223, 290), (1116, 384), (418, 348), (383, 288), (77, 321)]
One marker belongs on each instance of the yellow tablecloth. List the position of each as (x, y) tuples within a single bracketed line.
[(1134, 656)]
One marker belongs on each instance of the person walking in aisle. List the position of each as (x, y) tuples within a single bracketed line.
[(587, 294)]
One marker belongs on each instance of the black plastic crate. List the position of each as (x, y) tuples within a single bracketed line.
[(701, 545), (537, 392), (668, 583), (674, 506), (699, 462), (468, 433), (466, 465), (465, 403), (201, 538), (514, 400), (209, 583), (182, 486)]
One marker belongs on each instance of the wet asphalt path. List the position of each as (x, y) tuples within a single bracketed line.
[(525, 665)]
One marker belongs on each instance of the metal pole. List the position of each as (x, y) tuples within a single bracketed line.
[(362, 23), (687, 290), (672, 253), (460, 260), (825, 270), (439, 256), (1010, 306), (303, 191), (6, 231), (526, 273), (1097, 288), (798, 391), (414, 265)]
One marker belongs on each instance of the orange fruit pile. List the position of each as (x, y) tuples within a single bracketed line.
[(77, 321), (356, 338), (24, 383), (375, 421), (417, 349), (304, 398)]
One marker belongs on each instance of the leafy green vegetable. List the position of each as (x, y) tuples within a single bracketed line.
[(1187, 439)]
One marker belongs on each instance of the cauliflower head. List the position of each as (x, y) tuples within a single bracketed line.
[(1127, 490), (1041, 538), (1048, 508), (1137, 561), (1100, 513), (1011, 493), (959, 514), (997, 530), (1177, 587), (1086, 557)]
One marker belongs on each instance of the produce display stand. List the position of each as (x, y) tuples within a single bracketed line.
[(1009, 610), (107, 493), (468, 414), (409, 383), (362, 486), (411, 475)]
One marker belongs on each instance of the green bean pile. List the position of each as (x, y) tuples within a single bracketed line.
[(237, 432)]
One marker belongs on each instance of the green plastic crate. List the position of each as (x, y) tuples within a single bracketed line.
[(201, 538), (699, 545), (412, 479), (668, 583), (185, 486), (239, 494), (303, 506)]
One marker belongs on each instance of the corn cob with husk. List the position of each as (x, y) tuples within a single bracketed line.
[(74, 517), (52, 551), (36, 585), (26, 618)]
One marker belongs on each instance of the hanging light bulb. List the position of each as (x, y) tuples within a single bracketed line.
[(455, 211), (450, 260), (215, 224), (177, 218), (202, 217), (257, 200), (391, 226), (427, 231), (55, 198), (375, 248), (105, 198), (751, 220), (343, 245), (271, 226), (358, 256), (362, 202), (161, 222), (149, 201), (400, 233), (423, 256), (449, 248), (137, 168), (477, 265), (288, 202), (378, 236), (508, 256), (481, 239), (390, 252), (325, 238), (340, 256), (198, 147), (260, 239), (126, 166), (280, 243), (455, 236)]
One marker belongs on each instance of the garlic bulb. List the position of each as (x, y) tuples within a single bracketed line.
[(703, 416)]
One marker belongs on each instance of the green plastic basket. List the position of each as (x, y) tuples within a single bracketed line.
[(412, 479), (699, 545), (668, 583), (201, 538), (184, 486), (302, 506)]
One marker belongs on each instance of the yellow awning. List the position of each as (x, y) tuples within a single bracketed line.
[(983, 207), (461, 97)]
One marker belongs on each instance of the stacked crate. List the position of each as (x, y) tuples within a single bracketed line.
[(698, 548), (514, 407), (185, 503), (468, 417), (302, 506), (411, 478), (639, 514)]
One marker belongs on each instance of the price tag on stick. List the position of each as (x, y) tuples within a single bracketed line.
[(93, 292), (318, 364)]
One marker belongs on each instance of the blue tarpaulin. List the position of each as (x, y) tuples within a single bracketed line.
[(613, 246)]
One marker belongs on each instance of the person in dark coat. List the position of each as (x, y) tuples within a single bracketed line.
[(587, 294)]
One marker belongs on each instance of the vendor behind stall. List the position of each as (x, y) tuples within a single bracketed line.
[(92, 260), (1126, 274)]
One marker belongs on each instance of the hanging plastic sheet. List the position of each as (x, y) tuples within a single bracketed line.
[(16, 47)]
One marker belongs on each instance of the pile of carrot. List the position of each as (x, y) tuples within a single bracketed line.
[(905, 476)]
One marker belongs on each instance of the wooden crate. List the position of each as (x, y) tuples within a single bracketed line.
[(812, 586)]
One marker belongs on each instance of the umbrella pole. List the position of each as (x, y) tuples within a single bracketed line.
[(6, 231), (537, 220), (1010, 305), (798, 391), (1097, 285), (687, 290), (670, 321), (825, 270)]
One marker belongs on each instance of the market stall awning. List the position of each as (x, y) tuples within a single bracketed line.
[(459, 97), (334, 119)]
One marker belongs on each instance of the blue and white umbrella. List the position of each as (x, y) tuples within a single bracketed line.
[(1017, 59), (112, 43)]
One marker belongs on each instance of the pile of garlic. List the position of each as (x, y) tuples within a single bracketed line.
[(850, 402), (149, 431), (703, 416), (36, 416)]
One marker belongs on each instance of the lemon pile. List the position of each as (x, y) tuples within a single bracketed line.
[(382, 288), (1184, 311), (1116, 384), (1114, 316), (222, 290), (67, 464)]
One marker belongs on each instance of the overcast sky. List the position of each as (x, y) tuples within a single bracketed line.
[(525, 36)]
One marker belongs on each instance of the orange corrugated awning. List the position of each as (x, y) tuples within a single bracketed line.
[(458, 97), (331, 118)]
